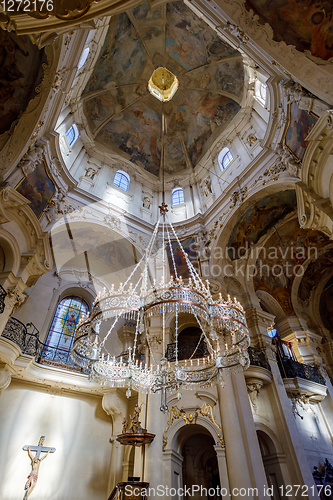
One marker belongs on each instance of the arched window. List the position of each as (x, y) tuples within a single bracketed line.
[(61, 334), (178, 196), (83, 57), (225, 158), (121, 180), (72, 134)]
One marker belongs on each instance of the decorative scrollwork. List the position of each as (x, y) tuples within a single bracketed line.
[(206, 410)]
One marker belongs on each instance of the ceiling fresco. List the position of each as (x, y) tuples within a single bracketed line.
[(126, 118), (314, 274), (258, 219), (306, 24), (21, 72), (326, 306), (282, 257)]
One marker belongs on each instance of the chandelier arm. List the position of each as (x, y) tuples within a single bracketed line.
[(135, 268), (192, 270), (108, 334), (164, 280), (176, 334), (203, 331), (172, 255), (138, 322), (147, 257)]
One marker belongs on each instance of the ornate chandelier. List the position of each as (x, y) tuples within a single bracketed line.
[(222, 324)]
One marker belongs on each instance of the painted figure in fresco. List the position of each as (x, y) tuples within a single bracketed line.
[(35, 464)]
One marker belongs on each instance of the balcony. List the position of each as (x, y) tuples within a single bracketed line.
[(186, 350), (302, 380), (259, 369), (26, 337)]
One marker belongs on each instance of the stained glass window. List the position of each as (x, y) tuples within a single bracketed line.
[(62, 331)]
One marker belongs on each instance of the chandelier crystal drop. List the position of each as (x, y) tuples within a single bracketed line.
[(222, 323)]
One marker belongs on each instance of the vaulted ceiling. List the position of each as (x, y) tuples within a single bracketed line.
[(126, 118), (306, 24)]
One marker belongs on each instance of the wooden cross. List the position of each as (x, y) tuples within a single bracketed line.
[(39, 448)]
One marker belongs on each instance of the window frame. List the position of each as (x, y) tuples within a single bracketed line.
[(58, 344), (75, 135), (177, 202), (122, 175)]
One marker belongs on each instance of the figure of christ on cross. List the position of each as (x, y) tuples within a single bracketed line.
[(35, 463)]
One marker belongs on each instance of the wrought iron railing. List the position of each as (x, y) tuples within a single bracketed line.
[(187, 350), (26, 337), (290, 368), (258, 358), (3, 295)]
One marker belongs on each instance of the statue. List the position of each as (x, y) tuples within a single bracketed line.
[(31, 159), (135, 419), (90, 173), (35, 463), (125, 426), (146, 202)]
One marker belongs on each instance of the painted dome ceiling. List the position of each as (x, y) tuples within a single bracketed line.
[(124, 116)]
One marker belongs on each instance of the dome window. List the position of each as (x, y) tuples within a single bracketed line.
[(121, 180), (83, 57), (178, 196), (225, 158), (72, 134), (261, 92)]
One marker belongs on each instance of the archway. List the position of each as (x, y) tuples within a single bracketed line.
[(200, 465), (271, 463)]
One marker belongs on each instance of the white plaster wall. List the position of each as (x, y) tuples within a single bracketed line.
[(75, 425)]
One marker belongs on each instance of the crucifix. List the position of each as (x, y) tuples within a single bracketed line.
[(35, 463)]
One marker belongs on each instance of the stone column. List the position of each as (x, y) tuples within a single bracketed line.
[(115, 404), (293, 443), (237, 460), (222, 463), (250, 437), (153, 471)]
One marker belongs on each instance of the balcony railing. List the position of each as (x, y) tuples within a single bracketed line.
[(290, 368), (26, 337), (187, 350), (258, 358)]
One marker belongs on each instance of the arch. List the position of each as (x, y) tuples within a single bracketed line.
[(12, 252), (178, 196), (273, 457), (121, 180)]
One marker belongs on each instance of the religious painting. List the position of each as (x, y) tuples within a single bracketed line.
[(305, 24), (258, 219), (189, 245), (313, 274), (278, 262), (38, 188), (326, 305), (21, 71), (299, 126)]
